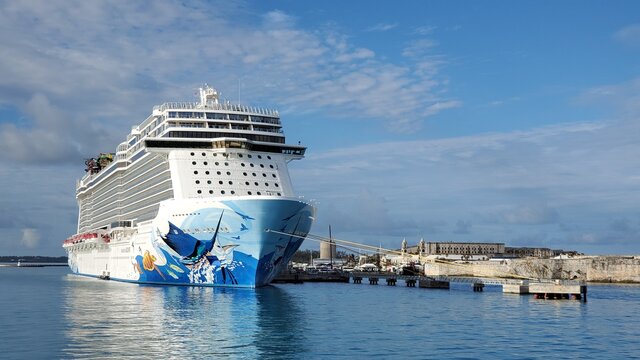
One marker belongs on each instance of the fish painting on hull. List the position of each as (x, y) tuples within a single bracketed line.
[(187, 246)]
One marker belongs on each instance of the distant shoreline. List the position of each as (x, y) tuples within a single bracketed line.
[(30, 264), (33, 259)]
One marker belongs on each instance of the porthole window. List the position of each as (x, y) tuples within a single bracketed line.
[(197, 181), (217, 163), (220, 182), (268, 157), (259, 156), (222, 192), (258, 193), (276, 185), (230, 182), (244, 173), (214, 154), (193, 163), (248, 192), (274, 175), (232, 192), (242, 164), (203, 154), (205, 163), (279, 194), (249, 156), (254, 174), (209, 182), (251, 165), (246, 183), (218, 172), (262, 165), (228, 172), (207, 172), (239, 155), (210, 191), (271, 166), (199, 191), (255, 183), (266, 184), (264, 175), (196, 172), (192, 154)]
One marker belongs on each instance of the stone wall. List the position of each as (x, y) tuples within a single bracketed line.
[(596, 268)]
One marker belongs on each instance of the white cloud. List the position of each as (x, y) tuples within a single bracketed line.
[(561, 181), (624, 98), (382, 27), (278, 18), (531, 214), (629, 35), (30, 238), (85, 72), (425, 30), (419, 48)]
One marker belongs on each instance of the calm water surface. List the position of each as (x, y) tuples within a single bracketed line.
[(48, 313)]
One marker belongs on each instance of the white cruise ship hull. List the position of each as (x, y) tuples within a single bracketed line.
[(203, 242)]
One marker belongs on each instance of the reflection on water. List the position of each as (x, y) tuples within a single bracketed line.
[(117, 319), (47, 314)]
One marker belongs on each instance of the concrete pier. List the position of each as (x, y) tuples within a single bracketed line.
[(428, 283), (515, 289), (558, 291)]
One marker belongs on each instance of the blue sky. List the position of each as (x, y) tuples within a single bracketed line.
[(515, 122)]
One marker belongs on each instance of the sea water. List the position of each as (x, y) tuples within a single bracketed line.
[(49, 313)]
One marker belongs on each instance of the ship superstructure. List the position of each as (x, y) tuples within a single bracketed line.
[(188, 196)]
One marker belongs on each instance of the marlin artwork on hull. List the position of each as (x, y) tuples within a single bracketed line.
[(189, 199)]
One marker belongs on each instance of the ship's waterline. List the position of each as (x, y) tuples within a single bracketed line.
[(192, 206)]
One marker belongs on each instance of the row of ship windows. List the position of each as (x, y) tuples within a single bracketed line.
[(212, 125), (232, 192), (221, 116), (220, 134), (246, 183), (190, 214), (227, 164), (239, 155), (229, 173)]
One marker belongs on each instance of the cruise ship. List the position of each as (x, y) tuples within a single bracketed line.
[(198, 194)]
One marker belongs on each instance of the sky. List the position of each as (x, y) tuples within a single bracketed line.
[(483, 121)]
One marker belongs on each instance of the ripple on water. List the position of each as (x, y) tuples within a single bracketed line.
[(50, 314)]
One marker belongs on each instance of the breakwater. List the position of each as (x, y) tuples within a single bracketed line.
[(584, 268)]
